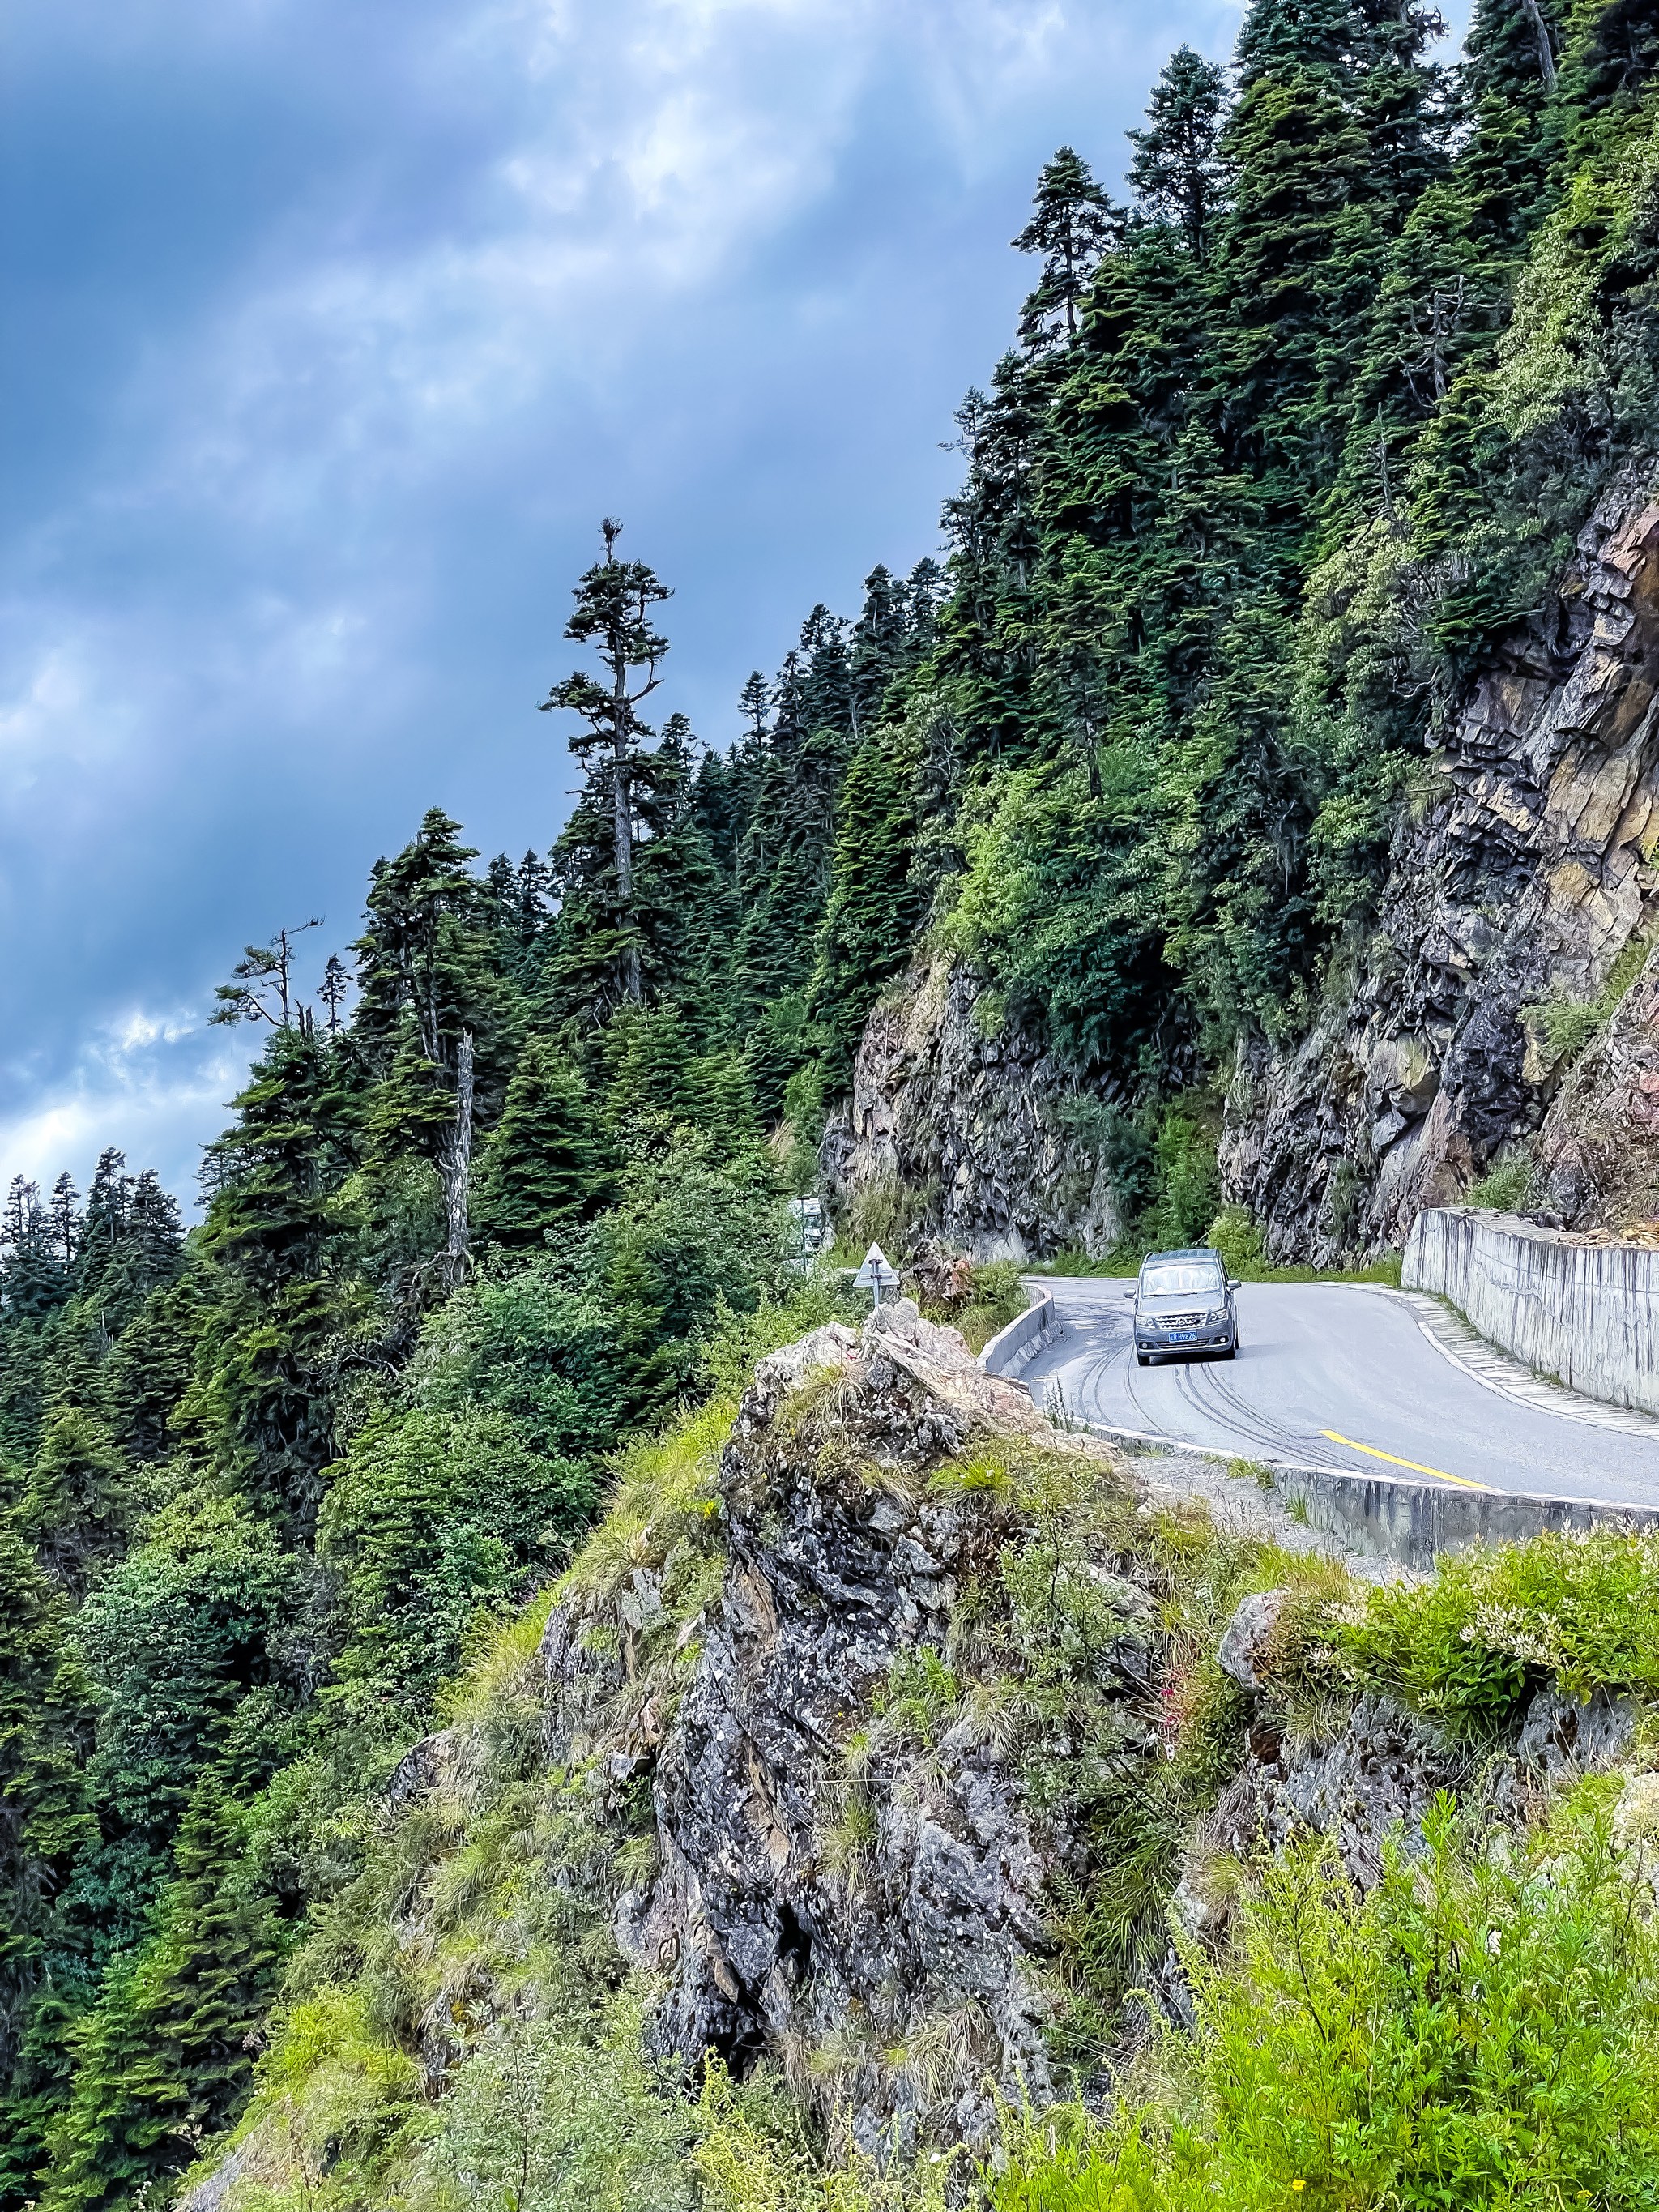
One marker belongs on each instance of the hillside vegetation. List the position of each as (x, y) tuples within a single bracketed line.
[(1282, 451)]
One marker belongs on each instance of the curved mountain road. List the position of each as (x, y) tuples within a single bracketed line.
[(1342, 1377)]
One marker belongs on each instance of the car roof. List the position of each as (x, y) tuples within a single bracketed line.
[(1187, 1252)]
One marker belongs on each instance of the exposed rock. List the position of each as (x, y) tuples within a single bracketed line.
[(977, 1122), (1524, 879), (1598, 1151), (939, 1908), (808, 1895), (426, 1766), (1248, 1634), (1378, 1779), (1565, 1736)]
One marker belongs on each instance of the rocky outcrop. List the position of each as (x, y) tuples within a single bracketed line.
[(816, 1892), (973, 1126), (1598, 1151), (1520, 879)]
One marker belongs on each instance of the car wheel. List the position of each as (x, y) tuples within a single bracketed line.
[(1143, 1359), (1232, 1352)]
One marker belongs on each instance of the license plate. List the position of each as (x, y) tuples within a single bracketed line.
[(1183, 1336)]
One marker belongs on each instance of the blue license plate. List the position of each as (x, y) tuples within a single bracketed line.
[(1183, 1336)]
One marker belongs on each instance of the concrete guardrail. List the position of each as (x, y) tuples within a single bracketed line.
[(1382, 1516), (1014, 1346), (1586, 1314)]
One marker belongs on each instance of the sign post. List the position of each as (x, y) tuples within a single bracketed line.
[(877, 1274)]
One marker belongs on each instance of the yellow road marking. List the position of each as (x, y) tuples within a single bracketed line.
[(1438, 1473)]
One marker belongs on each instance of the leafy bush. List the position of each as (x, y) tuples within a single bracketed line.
[(544, 2121), (1237, 1238), (528, 1344), (1467, 1644), (739, 1341), (690, 1236), (998, 1296), (752, 2154), (1506, 1187), (1482, 2030)]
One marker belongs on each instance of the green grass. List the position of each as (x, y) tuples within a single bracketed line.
[(1467, 1646)]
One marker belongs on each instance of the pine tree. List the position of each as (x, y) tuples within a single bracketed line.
[(1072, 227), (46, 1823), (1176, 172), (106, 1217), (685, 903), (75, 1507), (33, 1279), (540, 1170), (164, 2060), (875, 904), (651, 1083), (614, 601), (879, 646), (435, 1019)]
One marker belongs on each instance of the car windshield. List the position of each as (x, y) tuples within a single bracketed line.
[(1180, 1278)]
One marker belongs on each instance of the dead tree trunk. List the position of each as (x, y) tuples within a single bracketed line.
[(455, 1166)]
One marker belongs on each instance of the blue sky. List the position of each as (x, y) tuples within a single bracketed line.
[(333, 327)]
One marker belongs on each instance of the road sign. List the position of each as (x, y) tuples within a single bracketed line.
[(811, 1227), (877, 1274)]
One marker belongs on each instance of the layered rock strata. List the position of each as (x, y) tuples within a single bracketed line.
[(1519, 879), (818, 1893)]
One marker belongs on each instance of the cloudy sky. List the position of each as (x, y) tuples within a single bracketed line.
[(333, 327)]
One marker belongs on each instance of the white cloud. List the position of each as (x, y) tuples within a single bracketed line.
[(548, 247), (154, 1085)]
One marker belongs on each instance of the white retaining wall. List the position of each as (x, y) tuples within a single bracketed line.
[(1588, 1314), (1013, 1347)]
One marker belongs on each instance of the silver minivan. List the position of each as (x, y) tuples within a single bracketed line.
[(1184, 1304)]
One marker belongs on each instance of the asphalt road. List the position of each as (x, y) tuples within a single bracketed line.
[(1334, 1375)]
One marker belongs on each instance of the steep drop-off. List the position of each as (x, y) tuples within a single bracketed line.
[(877, 1751)]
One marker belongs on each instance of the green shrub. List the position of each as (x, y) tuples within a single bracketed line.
[(540, 2120), (1481, 2030), (1238, 1237), (920, 1697), (1507, 1185), (997, 1298), (528, 1345), (1571, 1025), (432, 1520), (1466, 1645), (887, 1212), (1186, 1179)]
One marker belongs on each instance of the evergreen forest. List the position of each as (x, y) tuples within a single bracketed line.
[(1298, 420)]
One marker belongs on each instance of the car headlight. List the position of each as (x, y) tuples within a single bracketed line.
[(1218, 1314)]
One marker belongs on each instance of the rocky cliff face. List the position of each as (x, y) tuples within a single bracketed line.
[(1598, 1150), (846, 1879), (984, 1138), (1521, 879), (891, 1752)]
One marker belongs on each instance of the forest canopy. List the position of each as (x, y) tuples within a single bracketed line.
[(1284, 441)]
